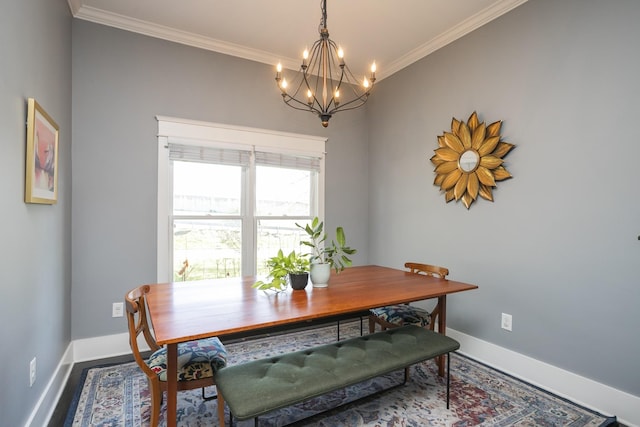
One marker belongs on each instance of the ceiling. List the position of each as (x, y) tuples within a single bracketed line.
[(394, 33)]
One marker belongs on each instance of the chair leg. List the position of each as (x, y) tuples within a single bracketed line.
[(372, 324), (156, 403), (432, 326)]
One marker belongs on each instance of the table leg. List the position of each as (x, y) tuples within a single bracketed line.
[(172, 384), (442, 328)]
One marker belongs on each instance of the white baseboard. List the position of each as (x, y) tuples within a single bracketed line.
[(101, 347), (78, 351), (43, 410), (583, 391)]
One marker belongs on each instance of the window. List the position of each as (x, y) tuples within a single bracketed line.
[(229, 197)]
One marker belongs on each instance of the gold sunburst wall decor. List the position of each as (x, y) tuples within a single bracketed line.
[(468, 160)]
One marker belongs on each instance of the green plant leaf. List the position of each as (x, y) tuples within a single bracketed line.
[(335, 254), (340, 236)]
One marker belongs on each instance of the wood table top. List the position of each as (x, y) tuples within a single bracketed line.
[(183, 311)]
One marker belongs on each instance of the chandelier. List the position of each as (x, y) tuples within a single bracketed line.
[(324, 85)]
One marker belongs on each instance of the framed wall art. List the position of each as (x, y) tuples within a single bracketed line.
[(41, 182)]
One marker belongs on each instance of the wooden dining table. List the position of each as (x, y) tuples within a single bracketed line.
[(185, 311)]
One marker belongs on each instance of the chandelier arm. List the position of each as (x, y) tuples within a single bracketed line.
[(294, 95), (328, 79), (348, 105), (314, 73), (293, 102), (315, 104), (353, 84), (360, 98), (333, 65), (302, 107)]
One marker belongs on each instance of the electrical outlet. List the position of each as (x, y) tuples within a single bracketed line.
[(117, 310), (32, 372), (507, 321)]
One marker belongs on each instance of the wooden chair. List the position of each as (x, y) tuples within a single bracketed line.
[(198, 360), (393, 316)]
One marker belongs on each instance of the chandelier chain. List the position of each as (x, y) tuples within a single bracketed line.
[(323, 20)]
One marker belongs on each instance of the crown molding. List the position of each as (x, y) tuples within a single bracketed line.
[(127, 23), (74, 6), (474, 22)]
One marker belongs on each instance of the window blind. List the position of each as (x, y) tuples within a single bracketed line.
[(230, 156), (287, 161), (195, 153)]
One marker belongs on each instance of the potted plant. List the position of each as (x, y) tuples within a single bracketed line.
[(325, 257), (284, 269)]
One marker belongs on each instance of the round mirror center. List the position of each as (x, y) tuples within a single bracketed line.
[(469, 160)]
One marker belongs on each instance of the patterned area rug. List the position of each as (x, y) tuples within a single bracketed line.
[(118, 395)]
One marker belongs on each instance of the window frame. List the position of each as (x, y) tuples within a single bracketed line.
[(208, 134)]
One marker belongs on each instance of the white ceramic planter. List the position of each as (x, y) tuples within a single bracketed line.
[(320, 274)]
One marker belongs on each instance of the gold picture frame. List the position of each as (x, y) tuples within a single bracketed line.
[(41, 180)]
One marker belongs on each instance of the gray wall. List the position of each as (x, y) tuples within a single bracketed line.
[(558, 249), (121, 81), (35, 248)]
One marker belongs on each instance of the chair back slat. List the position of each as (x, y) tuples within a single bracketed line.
[(429, 270), (137, 319)]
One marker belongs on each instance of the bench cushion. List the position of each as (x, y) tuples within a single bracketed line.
[(258, 387)]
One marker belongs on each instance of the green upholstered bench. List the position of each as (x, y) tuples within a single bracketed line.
[(258, 387)]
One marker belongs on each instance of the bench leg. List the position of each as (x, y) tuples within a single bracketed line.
[(221, 411), (448, 376), (208, 398)]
